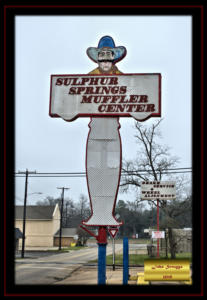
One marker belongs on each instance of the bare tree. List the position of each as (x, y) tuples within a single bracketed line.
[(68, 211), (83, 207), (153, 163), (83, 236), (172, 211), (153, 159), (48, 201)]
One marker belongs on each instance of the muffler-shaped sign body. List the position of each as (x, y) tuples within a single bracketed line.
[(103, 170)]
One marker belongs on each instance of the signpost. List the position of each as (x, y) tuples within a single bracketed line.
[(113, 231), (104, 95), (158, 190), (125, 260)]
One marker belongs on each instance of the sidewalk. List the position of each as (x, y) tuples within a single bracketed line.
[(88, 275)]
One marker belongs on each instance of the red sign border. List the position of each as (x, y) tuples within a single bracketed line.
[(107, 115), (116, 231)]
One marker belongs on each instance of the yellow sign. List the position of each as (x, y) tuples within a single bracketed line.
[(162, 270), (140, 279)]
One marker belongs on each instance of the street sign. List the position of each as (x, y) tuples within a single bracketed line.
[(167, 270), (158, 234), (162, 190), (113, 231), (87, 95)]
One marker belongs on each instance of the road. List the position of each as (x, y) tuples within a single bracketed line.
[(54, 268)]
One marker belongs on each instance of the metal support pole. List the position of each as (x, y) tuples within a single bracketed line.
[(102, 242), (101, 263), (125, 260), (113, 241), (158, 227), (24, 213), (61, 216), (61, 220), (66, 221), (24, 208)]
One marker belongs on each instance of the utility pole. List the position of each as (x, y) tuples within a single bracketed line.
[(61, 213), (66, 222), (24, 209)]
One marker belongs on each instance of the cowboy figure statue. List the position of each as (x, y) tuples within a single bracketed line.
[(103, 154), (106, 55)]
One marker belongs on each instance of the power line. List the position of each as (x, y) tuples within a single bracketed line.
[(83, 174), (80, 173)]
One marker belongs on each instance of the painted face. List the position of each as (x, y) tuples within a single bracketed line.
[(105, 54), (105, 59), (105, 66)]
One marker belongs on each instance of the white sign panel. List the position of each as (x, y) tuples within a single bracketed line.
[(162, 190), (103, 170), (125, 95), (158, 234)]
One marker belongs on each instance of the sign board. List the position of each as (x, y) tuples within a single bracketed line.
[(158, 234), (124, 95), (103, 171), (167, 270), (113, 231), (162, 190)]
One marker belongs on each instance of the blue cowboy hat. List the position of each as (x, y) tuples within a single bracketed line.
[(107, 42)]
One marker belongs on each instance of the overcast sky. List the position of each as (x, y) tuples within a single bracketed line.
[(57, 45)]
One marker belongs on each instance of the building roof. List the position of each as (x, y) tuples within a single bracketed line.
[(18, 234), (35, 212), (66, 232), (74, 221)]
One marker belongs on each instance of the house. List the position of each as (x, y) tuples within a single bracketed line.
[(42, 222), (69, 235)]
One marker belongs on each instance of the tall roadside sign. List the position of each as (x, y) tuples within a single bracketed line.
[(104, 95)]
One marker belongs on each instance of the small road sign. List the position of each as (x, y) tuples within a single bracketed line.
[(158, 234)]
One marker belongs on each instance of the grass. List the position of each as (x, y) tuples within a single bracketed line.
[(139, 241), (138, 259), (120, 241), (65, 249)]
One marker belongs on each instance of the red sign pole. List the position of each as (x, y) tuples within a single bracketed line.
[(102, 243), (158, 227)]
